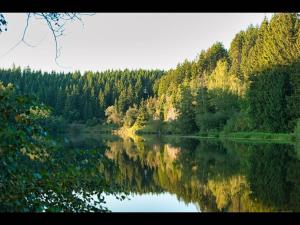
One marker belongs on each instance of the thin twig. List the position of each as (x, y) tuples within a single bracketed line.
[(25, 30), (56, 23)]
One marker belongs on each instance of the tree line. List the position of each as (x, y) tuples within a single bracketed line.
[(81, 97), (252, 86)]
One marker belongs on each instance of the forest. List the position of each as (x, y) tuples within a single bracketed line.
[(252, 86)]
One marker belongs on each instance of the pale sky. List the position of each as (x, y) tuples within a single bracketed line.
[(121, 40)]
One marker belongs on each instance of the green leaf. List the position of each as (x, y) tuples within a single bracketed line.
[(37, 176)]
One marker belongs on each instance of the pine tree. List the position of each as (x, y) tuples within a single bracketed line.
[(143, 116), (185, 106)]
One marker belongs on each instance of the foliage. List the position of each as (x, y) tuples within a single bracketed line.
[(131, 116), (19, 118), (79, 97), (92, 122), (113, 116), (267, 100), (212, 121), (255, 85), (3, 23), (256, 82), (54, 124), (297, 131), (143, 115), (37, 173), (186, 118), (238, 122)]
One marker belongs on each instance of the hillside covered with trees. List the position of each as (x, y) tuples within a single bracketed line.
[(82, 98), (252, 86)]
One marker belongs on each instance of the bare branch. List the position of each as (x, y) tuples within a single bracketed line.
[(11, 49), (25, 30), (56, 23)]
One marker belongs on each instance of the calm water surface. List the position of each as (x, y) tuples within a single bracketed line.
[(91, 172), (187, 175)]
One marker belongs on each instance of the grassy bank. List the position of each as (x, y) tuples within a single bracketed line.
[(265, 136), (242, 136), (96, 129), (260, 136), (166, 130), (248, 136), (238, 136)]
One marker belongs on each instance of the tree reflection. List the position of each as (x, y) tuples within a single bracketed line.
[(274, 175), (215, 176), (52, 181)]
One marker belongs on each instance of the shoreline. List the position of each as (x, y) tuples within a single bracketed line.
[(236, 136)]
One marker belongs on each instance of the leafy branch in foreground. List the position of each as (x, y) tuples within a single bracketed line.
[(39, 174)]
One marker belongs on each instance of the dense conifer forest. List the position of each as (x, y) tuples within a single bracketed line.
[(252, 86)]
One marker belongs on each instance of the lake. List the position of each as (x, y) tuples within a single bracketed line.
[(172, 174), (92, 172)]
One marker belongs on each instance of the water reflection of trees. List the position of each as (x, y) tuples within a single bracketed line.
[(274, 175), (216, 176), (50, 180)]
